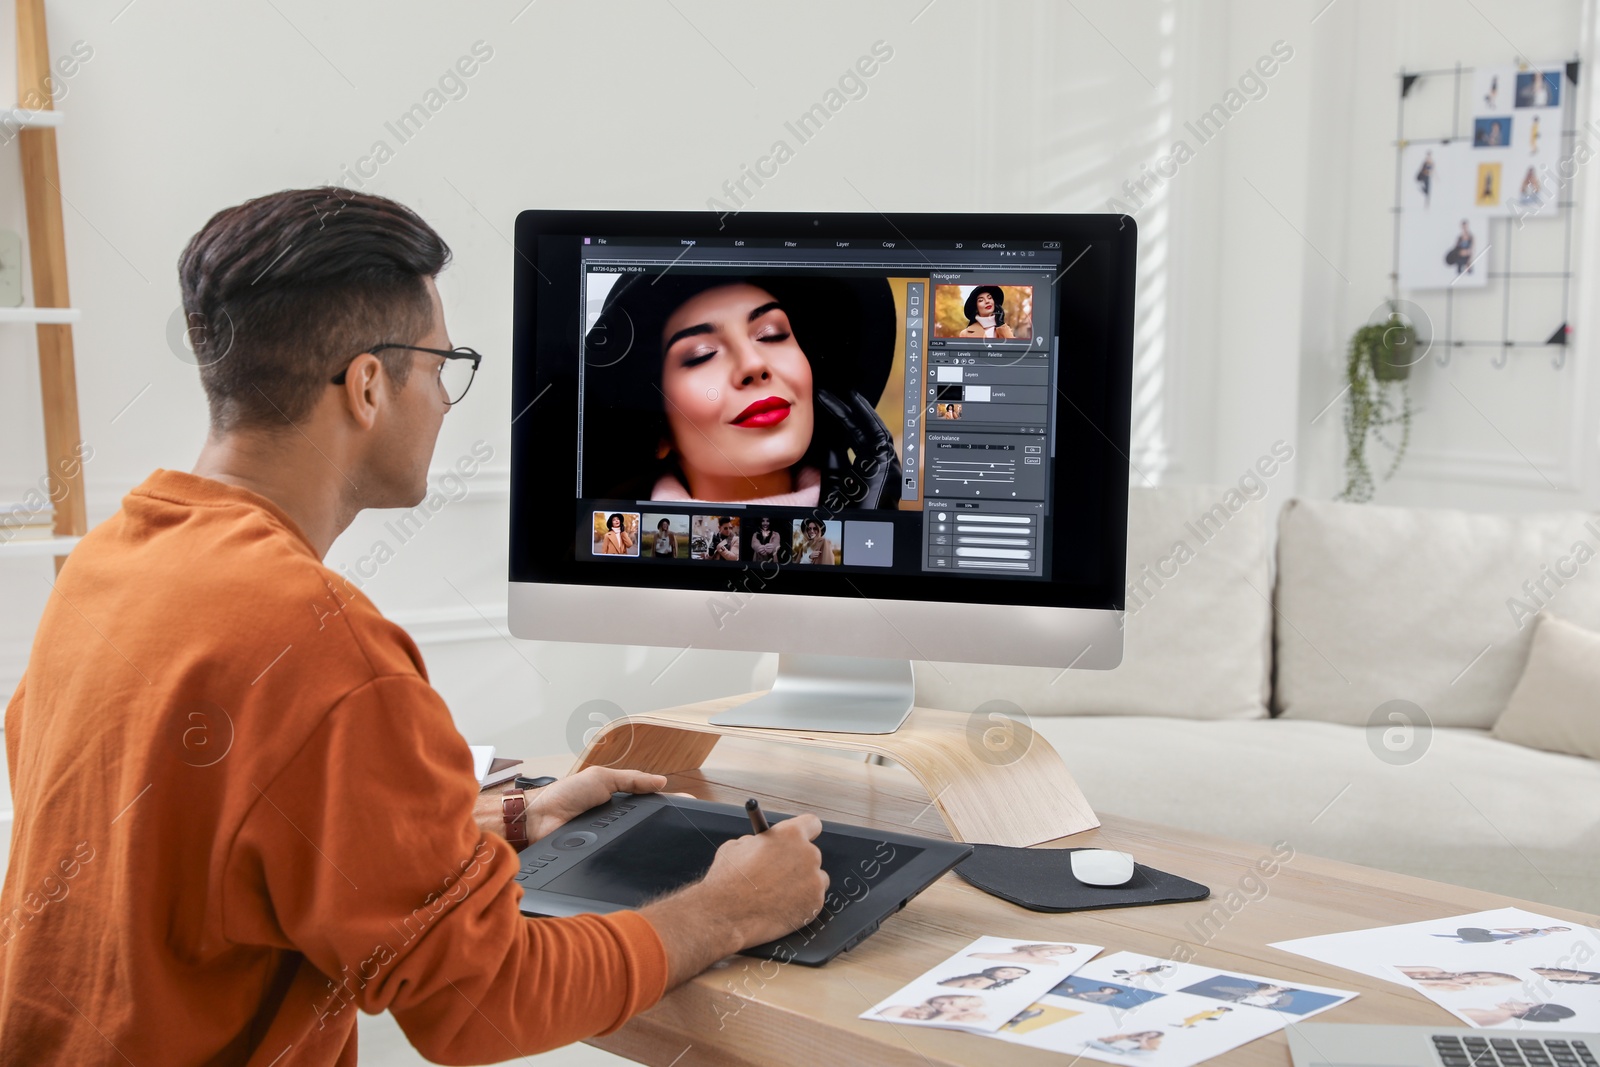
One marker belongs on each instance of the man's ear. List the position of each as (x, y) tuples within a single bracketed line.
[(365, 386)]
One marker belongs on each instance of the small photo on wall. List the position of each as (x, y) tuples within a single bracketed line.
[(1493, 131), (1531, 194), (714, 537), (1438, 178), (1539, 88), (1492, 89), (665, 536), (616, 533), (1440, 250), (1487, 187), (1466, 248), (1426, 168), (1517, 122)]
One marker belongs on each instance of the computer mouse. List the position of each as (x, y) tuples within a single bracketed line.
[(1099, 866)]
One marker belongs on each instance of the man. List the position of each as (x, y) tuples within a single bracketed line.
[(241, 812)]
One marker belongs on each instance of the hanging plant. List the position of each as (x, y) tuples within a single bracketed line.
[(1377, 400)]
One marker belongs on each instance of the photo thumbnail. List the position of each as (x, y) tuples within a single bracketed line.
[(665, 536), (976, 312), (616, 533), (817, 541), (714, 537), (764, 539)]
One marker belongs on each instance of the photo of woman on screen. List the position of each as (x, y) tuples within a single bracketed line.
[(616, 534), (765, 541), (812, 543), (986, 313), (718, 388), (665, 545)]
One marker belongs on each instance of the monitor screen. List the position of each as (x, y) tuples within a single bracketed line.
[(836, 412)]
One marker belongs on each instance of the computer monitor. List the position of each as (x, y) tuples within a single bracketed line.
[(856, 440)]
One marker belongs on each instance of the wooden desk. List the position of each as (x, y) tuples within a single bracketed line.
[(748, 1011)]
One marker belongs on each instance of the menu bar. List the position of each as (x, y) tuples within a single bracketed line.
[(876, 244)]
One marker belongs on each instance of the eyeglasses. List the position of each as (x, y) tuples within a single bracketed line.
[(455, 378)]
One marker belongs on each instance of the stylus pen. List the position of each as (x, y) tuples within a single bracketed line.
[(758, 821)]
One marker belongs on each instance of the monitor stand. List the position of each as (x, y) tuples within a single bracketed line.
[(1007, 790), (836, 694)]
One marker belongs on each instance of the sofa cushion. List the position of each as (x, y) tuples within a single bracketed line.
[(1449, 815), (1432, 607), (1556, 704), (1197, 629)]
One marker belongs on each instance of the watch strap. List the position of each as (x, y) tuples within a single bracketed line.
[(514, 810)]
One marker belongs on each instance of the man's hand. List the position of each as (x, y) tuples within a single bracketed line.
[(759, 888), (562, 801)]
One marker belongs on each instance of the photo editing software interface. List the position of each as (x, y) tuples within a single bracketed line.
[(861, 404)]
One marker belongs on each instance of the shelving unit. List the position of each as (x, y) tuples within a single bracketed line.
[(52, 315), (35, 547), (21, 116)]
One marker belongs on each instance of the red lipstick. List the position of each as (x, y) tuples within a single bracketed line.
[(772, 410)]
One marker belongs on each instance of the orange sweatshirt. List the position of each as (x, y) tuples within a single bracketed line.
[(242, 814)]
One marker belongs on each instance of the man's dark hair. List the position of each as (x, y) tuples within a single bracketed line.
[(282, 291)]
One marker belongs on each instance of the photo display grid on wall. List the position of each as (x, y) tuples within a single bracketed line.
[(1483, 206)]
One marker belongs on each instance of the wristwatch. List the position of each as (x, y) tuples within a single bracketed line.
[(514, 810)]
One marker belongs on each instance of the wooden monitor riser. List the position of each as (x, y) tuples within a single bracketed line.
[(1011, 789)]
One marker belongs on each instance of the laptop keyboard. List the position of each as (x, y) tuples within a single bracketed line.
[(1511, 1052)]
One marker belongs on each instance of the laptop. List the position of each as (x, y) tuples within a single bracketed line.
[(1360, 1045), (635, 848)]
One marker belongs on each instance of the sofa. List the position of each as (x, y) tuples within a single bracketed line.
[(1331, 675)]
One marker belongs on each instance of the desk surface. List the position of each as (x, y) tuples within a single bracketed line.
[(748, 1011)]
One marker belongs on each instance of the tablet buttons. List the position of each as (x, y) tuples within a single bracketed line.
[(575, 839), (547, 857)]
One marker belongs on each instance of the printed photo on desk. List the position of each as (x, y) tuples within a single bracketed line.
[(983, 986), (1506, 968), (1127, 1008)]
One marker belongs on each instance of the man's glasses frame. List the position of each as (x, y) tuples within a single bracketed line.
[(462, 352)]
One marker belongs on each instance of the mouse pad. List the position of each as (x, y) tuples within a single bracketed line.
[(1041, 879)]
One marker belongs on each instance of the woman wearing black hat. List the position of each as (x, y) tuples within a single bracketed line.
[(986, 313), (741, 391)]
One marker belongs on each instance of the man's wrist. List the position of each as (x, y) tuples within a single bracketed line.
[(697, 929)]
